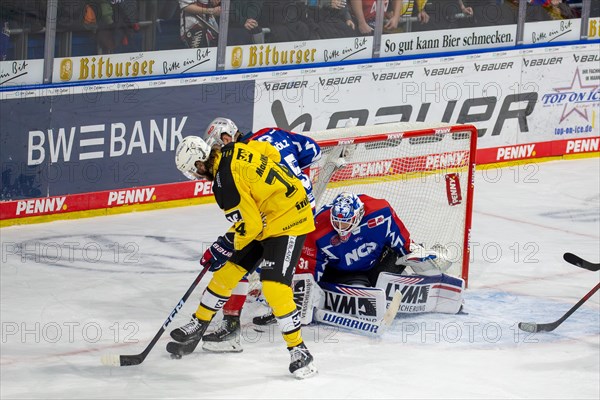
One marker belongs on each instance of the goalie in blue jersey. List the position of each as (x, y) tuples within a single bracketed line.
[(360, 253)]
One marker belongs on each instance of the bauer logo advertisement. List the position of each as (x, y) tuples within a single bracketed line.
[(512, 110)]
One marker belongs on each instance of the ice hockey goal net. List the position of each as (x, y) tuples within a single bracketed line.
[(424, 172)]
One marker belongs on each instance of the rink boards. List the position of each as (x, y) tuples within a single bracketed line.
[(80, 148)]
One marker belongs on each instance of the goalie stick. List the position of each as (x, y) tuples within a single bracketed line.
[(136, 359), (580, 262), (392, 310), (533, 327)]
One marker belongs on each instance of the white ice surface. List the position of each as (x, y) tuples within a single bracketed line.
[(72, 291)]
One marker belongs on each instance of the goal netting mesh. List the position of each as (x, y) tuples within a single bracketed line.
[(424, 172)]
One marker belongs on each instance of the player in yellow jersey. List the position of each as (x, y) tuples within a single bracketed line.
[(271, 216)]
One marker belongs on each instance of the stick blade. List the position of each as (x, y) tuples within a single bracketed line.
[(580, 262), (573, 259), (392, 310), (115, 360), (530, 327)]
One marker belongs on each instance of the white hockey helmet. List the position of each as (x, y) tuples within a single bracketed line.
[(190, 150), (216, 129), (347, 210)]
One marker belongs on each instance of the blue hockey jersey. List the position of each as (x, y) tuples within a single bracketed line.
[(380, 227), (298, 152)]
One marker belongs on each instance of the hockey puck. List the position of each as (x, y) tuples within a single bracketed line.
[(176, 356)]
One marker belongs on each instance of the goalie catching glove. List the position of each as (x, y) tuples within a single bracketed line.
[(218, 253), (426, 262)]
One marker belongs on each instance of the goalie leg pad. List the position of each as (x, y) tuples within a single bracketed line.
[(348, 322), (366, 303), (440, 293), (307, 296)]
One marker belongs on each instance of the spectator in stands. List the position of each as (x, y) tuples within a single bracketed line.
[(486, 13), (330, 19), (560, 10), (199, 27), (243, 22), (4, 39), (117, 23), (443, 14), (27, 15), (595, 9), (534, 11), (287, 21), (364, 12), (437, 14)]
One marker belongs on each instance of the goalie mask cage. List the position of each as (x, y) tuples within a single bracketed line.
[(424, 172)]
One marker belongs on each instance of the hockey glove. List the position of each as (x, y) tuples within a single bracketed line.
[(218, 253)]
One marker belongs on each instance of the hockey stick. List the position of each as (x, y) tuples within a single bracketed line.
[(136, 359), (580, 262), (392, 310), (549, 327)]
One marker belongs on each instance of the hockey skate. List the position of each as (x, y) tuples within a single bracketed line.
[(301, 365), (187, 337), (264, 320), (190, 331), (226, 339)]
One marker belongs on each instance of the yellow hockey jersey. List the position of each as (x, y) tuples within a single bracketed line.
[(259, 196)]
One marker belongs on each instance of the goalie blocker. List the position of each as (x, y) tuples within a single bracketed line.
[(362, 309)]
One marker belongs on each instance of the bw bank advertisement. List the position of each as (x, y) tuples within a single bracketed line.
[(91, 139)]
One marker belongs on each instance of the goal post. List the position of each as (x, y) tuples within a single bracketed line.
[(425, 172)]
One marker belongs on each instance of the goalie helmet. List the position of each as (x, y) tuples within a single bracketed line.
[(214, 133), (347, 211), (190, 150)]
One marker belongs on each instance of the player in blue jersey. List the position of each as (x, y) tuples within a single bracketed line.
[(357, 236), (374, 228), (356, 239), (297, 152)]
